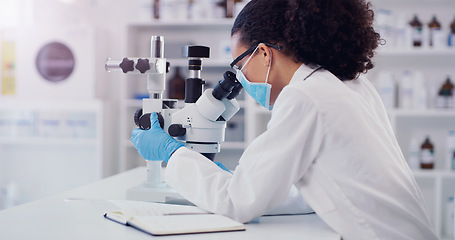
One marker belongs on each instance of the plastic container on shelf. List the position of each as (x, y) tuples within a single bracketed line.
[(402, 32), (238, 6), (386, 85), (173, 9), (450, 164), (205, 9), (384, 24), (406, 93), (414, 154), (80, 125), (449, 226), (420, 96), (17, 123)]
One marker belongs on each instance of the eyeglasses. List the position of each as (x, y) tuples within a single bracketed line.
[(249, 51)]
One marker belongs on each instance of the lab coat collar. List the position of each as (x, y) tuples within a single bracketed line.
[(302, 72)]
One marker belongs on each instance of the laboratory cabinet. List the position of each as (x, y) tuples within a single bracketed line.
[(423, 116), (435, 64), (428, 66), (48, 147)]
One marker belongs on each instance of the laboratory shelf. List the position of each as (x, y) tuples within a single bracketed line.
[(184, 23), (433, 173), (418, 52), (48, 141), (422, 113)]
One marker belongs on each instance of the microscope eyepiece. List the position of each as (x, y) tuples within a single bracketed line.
[(225, 86), (195, 51), (236, 91)]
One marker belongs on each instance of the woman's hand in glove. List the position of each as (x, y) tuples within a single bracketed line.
[(154, 144)]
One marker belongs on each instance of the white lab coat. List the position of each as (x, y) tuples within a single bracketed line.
[(333, 141)]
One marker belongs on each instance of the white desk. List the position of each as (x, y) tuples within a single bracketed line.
[(55, 218)]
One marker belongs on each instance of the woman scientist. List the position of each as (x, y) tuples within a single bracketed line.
[(328, 136)]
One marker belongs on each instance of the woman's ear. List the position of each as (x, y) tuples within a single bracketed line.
[(266, 54)]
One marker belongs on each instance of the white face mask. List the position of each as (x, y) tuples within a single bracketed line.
[(258, 91)]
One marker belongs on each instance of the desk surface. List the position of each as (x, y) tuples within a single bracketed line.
[(78, 214)]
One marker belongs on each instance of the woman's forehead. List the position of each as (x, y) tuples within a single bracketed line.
[(236, 45)]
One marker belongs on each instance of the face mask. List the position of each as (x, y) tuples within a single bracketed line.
[(258, 91)]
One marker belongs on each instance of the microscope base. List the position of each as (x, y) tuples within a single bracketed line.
[(161, 194)]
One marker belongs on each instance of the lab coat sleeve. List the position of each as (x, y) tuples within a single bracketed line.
[(270, 165), (294, 204)]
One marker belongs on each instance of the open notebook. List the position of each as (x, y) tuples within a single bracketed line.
[(168, 219)]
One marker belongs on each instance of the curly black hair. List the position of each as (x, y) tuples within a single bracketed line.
[(335, 34)]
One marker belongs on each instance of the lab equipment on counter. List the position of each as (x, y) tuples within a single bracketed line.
[(200, 125)]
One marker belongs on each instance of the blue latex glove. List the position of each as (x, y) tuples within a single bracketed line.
[(154, 144)]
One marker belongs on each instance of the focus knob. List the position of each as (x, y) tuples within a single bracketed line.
[(177, 130), (127, 65), (144, 121), (137, 116), (143, 65)]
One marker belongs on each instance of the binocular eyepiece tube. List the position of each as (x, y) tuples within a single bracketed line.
[(228, 87)]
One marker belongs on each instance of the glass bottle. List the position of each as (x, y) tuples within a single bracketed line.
[(176, 86), (435, 31), (448, 89), (445, 95), (427, 154), (452, 34), (156, 9), (417, 31), (228, 6)]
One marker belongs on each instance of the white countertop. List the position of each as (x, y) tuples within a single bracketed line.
[(57, 218)]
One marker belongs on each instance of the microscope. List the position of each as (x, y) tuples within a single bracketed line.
[(200, 125)]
